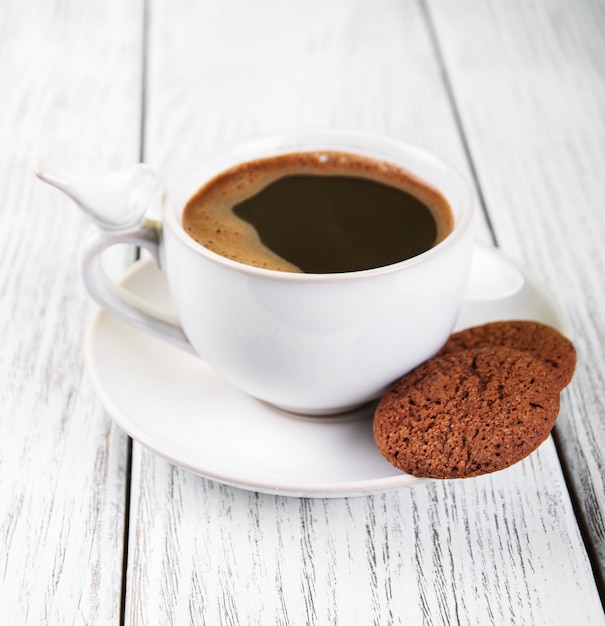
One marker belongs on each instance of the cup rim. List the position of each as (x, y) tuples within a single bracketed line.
[(284, 142)]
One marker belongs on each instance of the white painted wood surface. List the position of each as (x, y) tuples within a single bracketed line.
[(70, 91), (477, 82), (528, 80)]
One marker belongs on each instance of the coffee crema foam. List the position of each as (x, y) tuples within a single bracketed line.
[(209, 217)]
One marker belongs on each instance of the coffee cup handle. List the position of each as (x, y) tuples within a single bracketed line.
[(121, 302), (116, 203)]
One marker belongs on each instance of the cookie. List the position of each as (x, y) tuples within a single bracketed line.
[(542, 341), (467, 413)]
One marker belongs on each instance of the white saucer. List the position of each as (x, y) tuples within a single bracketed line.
[(175, 405)]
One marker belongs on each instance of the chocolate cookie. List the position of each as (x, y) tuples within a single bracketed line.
[(467, 413), (542, 341)]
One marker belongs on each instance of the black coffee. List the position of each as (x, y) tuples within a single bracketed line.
[(317, 213)]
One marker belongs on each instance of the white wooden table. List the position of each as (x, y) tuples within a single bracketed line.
[(94, 529)]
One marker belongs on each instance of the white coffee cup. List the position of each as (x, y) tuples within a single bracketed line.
[(307, 343)]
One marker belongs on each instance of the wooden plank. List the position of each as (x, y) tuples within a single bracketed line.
[(245, 69), (498, 549), (528, 79), (70, 91)]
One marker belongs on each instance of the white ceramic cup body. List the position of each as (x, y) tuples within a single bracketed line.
[(317, 343)]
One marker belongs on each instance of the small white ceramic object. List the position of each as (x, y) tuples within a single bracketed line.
[(115, 202), (308, 343), (177, 406)]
